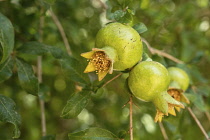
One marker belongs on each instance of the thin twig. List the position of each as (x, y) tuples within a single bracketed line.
[(131, 117), (163, 131), (126, 103), (208, 116), (195, 91), (198, 123), (39, 74), (61, 30), (111, 80), (155, 51)]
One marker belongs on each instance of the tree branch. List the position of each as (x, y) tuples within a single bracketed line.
[(61, 30), (39, 74), (163, 131), (198, 123), (131, 117), (161, 53)]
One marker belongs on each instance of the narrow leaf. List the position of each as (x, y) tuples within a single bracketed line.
[(8, 114), (6, 38), (140, 27), (6, 69), (76, 103), (38, 48), (28, 80), (74, 70), (93, 134)]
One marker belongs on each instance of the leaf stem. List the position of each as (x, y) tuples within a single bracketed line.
[(198, 123), (131, 117), (161, 53), (163, 131), (39, 74), (61, 30)]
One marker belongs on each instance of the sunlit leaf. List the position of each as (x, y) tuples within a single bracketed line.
[(9, 114), (93, 134), (6, 38), (27, 79), (76, 103)]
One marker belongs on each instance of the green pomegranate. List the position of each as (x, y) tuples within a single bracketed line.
[(179, 83), (125, 40), (179, 78), (149, 81), (117, 47)]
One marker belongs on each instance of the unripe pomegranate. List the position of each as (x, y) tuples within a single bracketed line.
[(178, 84), (148, 81), (179, 78), (118, 47)]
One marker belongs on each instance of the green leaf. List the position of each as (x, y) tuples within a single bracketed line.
[(199, 103), (127, 18), (28, 80), (6, 38), (122, 134), (145, 57), (118, 14), (8, 114), (38, 48), (6, 69), (73, 70), (76, 103), (93, 134), (140, 27), (48, 137), (44, 92)]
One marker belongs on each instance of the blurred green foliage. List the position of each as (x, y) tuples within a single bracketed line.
[(180, 28)]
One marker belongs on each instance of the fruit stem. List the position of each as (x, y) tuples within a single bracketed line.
[(131, 117), (111, 80), (163, 131), (198, 123)]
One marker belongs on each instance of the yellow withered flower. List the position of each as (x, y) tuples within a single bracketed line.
[(99, 62), (178, 95)]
